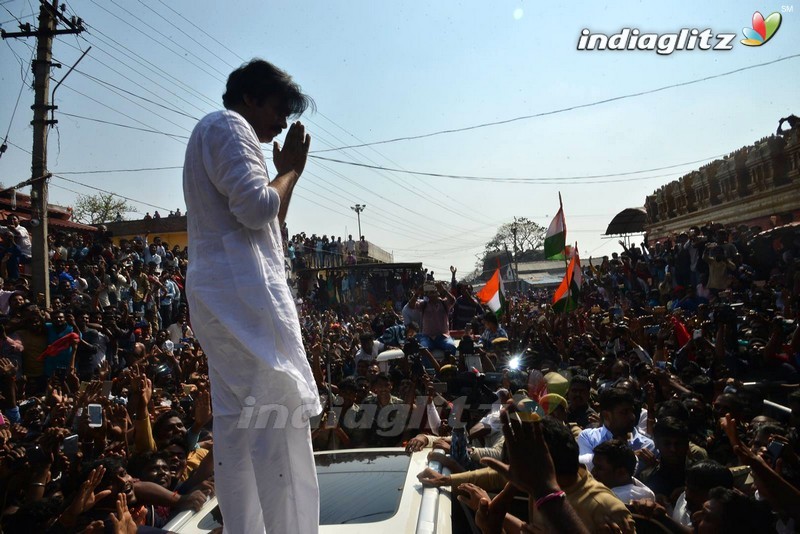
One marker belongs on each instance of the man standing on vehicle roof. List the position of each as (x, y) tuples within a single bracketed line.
[(242, 309)]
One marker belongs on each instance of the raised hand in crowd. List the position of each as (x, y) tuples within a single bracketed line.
[(531, 469)]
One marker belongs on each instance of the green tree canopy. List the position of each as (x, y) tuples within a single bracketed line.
[(529, 237), (100, 208), (529, 240)]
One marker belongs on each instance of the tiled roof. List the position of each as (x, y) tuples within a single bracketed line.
[(164, 225)]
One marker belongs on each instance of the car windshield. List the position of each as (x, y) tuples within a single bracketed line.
[(360, 487)]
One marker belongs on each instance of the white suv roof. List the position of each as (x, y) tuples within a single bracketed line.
[(361, 490)]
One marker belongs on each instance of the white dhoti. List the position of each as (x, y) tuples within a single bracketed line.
[(264, 471)]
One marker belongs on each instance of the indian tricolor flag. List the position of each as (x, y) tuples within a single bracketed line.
[(556, 237), (493, 294), (567, 294)]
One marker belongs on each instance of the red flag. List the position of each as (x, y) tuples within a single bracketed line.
[(59, 344), (681, 334)]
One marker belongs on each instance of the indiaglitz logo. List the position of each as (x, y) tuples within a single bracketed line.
[(684, 39), (663, 43), (763, 29)]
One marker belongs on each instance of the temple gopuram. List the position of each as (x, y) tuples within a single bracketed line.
[(757, 185)]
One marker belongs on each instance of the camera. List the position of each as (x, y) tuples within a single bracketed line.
[(411, 347), (724, 314)]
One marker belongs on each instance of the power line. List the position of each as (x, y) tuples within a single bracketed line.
[(381, 154), (202, 30), (134, 69), (396, 219), (175, 136), (320, 126), (19, 59), (564, 110), (103, 82), (110, 192), (16, 104), (132, 102), (16, 19), (204, 47), (18, 147), (423, 216), (150, 66), (477, 178), (167, 38), (113, 171), (551, 179), (157, 41), (81, 194), (396, 181)]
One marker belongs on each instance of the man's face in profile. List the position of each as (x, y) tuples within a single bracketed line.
[(267, 117)]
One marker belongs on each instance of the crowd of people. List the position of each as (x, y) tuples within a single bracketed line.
[(314, 252), (669, 395)]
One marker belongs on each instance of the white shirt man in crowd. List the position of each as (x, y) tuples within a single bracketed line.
[(23, 238), (619, 422), (614, 465)]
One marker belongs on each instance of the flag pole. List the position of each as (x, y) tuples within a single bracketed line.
[(499, 286), (566, 260), (575, 254)]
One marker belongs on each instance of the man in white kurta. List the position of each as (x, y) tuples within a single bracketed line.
[(242, 309)]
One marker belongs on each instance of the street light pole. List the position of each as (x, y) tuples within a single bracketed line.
[(358, 208)]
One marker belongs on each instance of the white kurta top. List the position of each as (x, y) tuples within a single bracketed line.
[(242, 310)]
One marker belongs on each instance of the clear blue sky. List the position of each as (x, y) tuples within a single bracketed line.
[(380, 70)]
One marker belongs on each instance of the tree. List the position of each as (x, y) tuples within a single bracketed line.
[(99, 208), (529, 237)]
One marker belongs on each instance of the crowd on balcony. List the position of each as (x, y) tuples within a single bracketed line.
[(315, 252)]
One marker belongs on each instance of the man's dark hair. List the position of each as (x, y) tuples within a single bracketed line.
[(490, 317), (672, 408), (707, 474), (562, 445), (742, 514), (260, 80), (703, 385), (671, 427), (618, 454), (364, 338), (139, 462), (581, 380), (161, 421), (380, 377), (111, 464), (413, 325), (613, 397), (348, 384), (178, 441)]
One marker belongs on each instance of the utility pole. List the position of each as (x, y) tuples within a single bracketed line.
[(358, 208), (49, 16), (516, 249)]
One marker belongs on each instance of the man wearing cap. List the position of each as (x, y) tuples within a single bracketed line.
[(242, 310)]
